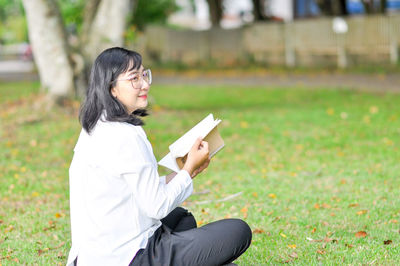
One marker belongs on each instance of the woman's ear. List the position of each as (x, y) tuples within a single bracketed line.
[(114, 92)]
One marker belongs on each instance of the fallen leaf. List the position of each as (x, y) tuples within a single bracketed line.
[(351, 205), (52, 226), (244, 211), (313, 231), (41, 251), (293, 255), (360, 234), (320, 252), (8, 228), (272, 196), (326, 206), (362, 212), (203, 211), (387, 242), (349, 245), (258, 231), (283, 235), (292, 246)]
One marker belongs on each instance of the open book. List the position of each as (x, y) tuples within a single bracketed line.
[(207, 129)]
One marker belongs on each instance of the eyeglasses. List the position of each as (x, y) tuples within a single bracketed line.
[(137, 78)]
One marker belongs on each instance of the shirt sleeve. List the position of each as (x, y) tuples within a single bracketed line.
[(163, 179), (154, 198)]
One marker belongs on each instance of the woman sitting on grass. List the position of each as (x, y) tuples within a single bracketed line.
[(122, 211)]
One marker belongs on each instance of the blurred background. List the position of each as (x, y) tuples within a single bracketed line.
[(196, 34), (308, 94)]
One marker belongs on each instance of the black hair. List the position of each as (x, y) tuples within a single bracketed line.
[(106, 68)]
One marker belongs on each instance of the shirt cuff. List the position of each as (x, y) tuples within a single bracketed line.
[(186, 176)]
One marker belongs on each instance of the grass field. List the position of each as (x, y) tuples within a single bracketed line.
[(315, 173)]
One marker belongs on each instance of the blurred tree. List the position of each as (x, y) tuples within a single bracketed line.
[(12, 23), (371, 7), (61, 65), (216, 11), (66, 35), (258, 10), (152, 11), (333, 7)]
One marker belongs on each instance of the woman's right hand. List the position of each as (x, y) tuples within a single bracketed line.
[(197, 156)]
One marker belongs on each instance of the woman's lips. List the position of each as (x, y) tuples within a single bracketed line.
[(143, 97)]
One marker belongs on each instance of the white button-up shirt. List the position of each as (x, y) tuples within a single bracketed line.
[(116, 195)]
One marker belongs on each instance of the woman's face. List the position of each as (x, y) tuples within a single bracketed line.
[(132, 89)]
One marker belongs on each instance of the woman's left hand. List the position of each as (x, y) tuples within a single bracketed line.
[(201, 168)]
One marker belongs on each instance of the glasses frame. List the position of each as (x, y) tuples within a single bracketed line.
[(142, 77)]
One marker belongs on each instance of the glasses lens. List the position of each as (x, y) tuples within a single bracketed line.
[(147, 76)]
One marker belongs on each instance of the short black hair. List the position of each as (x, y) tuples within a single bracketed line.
[(106, 68)]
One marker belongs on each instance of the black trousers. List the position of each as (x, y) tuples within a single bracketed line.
[(179, 242)]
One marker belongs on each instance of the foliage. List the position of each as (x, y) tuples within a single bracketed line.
[(72, 12), (318, 171), (13, 29), (9, 8), (152, 11)]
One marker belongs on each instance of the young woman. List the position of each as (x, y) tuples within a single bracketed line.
[(122, 211)]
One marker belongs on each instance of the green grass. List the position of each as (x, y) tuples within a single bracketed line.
[(311, 164)]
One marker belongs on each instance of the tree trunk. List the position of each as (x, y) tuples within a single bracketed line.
[(325, 6), (368, 6), (383, 6), (63, 69), (258, 10), (343, 8), (107, 29), (89, 13), (215, 8), (49, 45)]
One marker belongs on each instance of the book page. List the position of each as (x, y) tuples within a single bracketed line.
[(207, 129)]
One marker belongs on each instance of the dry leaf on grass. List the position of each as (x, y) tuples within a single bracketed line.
[(387, 242), (360, 234), (294, 255), (258, 231)]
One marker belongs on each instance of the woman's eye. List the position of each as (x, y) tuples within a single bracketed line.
[(135, 78)]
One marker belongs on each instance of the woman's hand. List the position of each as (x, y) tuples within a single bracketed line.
[(201, 168), (197, 157)]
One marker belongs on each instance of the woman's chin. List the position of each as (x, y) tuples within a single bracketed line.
[(142, 105)]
